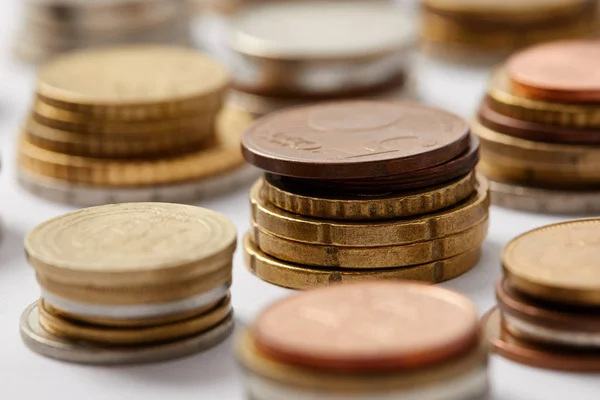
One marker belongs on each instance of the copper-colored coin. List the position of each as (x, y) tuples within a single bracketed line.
[(535, 355), (368, 326), (354, 139), (567, 71)]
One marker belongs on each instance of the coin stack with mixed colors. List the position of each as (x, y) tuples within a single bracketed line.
[(548, 312), (369, 340), (462, 28), (132, 123), (539, 127), (129, 283), (56, 26), (290, 53), (363, 190)]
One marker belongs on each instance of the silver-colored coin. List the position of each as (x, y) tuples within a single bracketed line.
[(86, 196), (49, 345)]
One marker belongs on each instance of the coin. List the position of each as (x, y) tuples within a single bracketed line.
[(377, 233), (354, 139), (557, 262), (507, 8), (296, 276), (49, 345)]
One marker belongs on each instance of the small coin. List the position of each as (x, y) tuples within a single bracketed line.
[(295, 276), (41, 341)]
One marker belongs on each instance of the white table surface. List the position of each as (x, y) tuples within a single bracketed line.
[(214, 374)]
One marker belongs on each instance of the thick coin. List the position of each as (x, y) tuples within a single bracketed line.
[(377, 233), (558, 262), (41, 341), (295, 276), (354, 139)]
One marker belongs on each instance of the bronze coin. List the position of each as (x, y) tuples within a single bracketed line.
[(369, 326), (354, 139), (540, 356), (535, 131), (566, 71)]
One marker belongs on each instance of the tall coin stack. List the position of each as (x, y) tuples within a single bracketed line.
[(363, 190), (130, 283), (539, 127), (289, 53), (56, 26), (548, 312), (132, 123)]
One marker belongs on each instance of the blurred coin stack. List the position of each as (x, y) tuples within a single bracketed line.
[(370, 340), (52, 27), (363, 190), (127, 283), (132, 123), (455, 28), (548, 312), (539, 127), (289, 53)]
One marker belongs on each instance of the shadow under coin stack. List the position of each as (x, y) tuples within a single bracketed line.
[(133, 123), (548, 312), (363, 190), (130, 283), (374, 341), (539, 127), (290, 53), (56, 26)]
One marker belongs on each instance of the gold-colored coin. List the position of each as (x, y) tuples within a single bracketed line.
[(295, 276), (377, 233), (223, 156), (142, 80), (131, 244), (559, 262), (519, 9), (373, 207), (138, 336), (370, 257)]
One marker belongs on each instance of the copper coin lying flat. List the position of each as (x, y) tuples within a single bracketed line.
[(354, 139), (567, 71), (374, 326)]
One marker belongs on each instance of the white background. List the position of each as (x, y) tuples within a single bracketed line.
[(214, 374)]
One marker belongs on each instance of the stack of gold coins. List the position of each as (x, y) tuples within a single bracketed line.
[(370, 340), (132, 123), (131, 282), (548, 312), (461, 27), (289, 53), (363, 190), (539, 127), (55, 26)]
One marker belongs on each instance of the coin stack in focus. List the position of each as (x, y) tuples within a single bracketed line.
[(366, 341), (460, 29), (548, 312), (131, 282), (289, 53), (132, 123), (362, 190), (539, 127), (56, 26)]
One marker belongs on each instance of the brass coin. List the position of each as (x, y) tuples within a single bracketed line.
[(558, 262), (377, 233), (295, 276), (517, 9)]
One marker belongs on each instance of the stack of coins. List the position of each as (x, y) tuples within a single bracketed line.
[(539, 129), (55, 26), (288, 53), (130, 283), (132, 123), (548, 312), (368, 340), (362, 190), (460, 27)]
